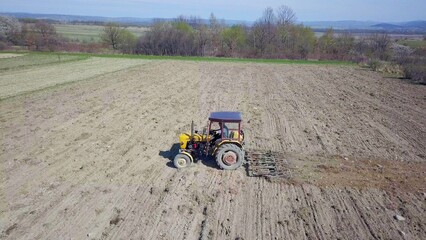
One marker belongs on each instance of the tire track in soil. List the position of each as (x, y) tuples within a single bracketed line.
[(159, 203)]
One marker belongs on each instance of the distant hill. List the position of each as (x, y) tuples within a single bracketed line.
[(122, 20), (340, 25), (415, 24), (387, 26), (369, 25), (76, 18), (404, 26), (412, 26)]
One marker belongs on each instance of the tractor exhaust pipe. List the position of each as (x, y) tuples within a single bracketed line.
[(192, 130)]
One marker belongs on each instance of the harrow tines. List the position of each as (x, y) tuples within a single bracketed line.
[(263, 163)]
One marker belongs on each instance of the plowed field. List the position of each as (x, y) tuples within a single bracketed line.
[(91, 159)]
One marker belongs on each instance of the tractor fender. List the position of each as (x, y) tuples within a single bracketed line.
[(189, 155), (227, 142)]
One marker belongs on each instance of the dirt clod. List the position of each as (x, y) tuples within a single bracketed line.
[(399, 218), (115, 220)]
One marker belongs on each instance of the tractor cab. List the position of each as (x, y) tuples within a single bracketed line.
[(224, 127), (223, 139)]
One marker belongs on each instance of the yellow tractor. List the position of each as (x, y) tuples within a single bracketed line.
[(222, 139)]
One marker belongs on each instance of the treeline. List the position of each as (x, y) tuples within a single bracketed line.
[(274, 35), (35, 35), (39, 35)]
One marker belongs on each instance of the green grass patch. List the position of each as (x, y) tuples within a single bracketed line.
[(89, 33), (35, 59), (190, 58), (86, 33), (413, 43), (205, 59)]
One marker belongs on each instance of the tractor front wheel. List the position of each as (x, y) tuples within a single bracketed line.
[(229, 157), (181, 161)]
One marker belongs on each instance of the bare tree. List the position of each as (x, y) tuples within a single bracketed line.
[(215, 28), (345, 43), (268, 16), (285, 15), (380, 44), (195, 22), (202, 38), (45, 29), (43, 36), (264, 32), (286, 19)]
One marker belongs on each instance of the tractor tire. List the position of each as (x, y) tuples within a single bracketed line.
[(181, 161), (229, 157)]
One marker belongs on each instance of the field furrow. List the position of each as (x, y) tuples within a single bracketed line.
[(93, 158)]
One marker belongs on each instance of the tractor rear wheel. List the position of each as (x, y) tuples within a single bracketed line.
[(181, 161), (229, 157)]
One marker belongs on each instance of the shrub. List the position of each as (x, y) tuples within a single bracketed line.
[(374, 64), (391, 69), (400, 53), (3, 46), (415, 66), (416, 71)]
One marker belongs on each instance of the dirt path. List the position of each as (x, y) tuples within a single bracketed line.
[(9, 55), (91, 159)]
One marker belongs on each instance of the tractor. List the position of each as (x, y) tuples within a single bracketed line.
[(222, 139)]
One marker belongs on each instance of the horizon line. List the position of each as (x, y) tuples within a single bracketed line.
[(252, 21)]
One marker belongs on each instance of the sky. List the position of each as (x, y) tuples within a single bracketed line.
[(248, 10)]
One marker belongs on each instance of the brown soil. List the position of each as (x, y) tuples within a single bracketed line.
[(327, 171), (91, 159)]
